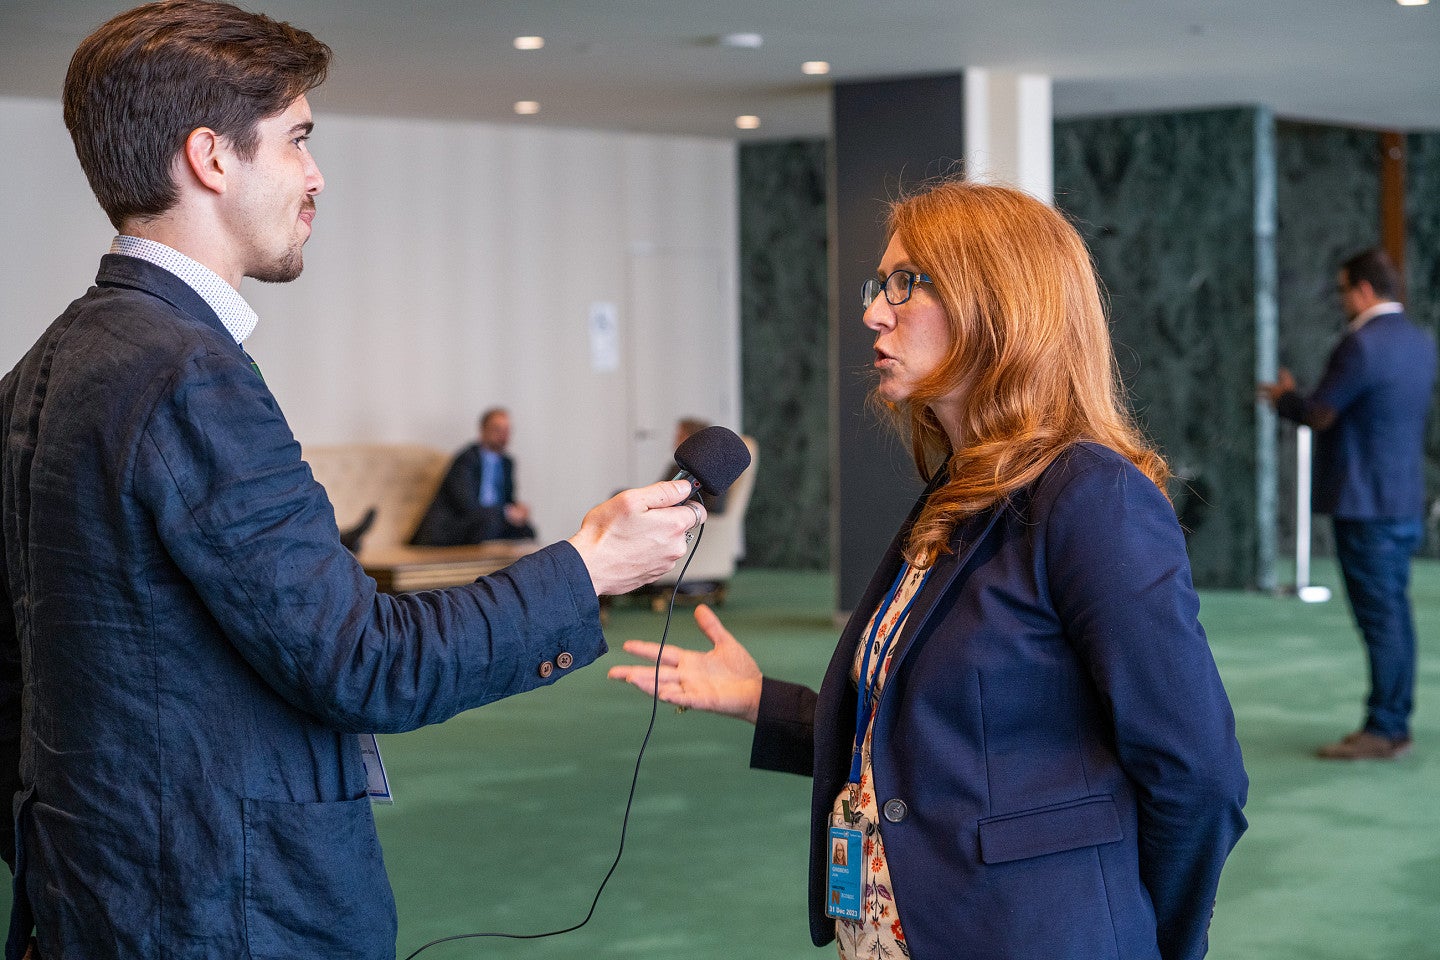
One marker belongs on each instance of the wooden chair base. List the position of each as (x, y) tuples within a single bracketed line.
[(657, 596), (660, 597)]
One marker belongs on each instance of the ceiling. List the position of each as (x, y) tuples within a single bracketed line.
[(657, 66)]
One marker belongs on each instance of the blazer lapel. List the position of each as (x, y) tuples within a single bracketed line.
[(969, 535), (836, 704)]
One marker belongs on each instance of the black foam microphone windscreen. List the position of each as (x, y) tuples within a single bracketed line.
[(714, 456)]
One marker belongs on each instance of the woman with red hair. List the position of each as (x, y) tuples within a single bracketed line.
[(1022, 731)]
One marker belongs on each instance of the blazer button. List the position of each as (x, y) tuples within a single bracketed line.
[(895, 810), (546, 668), (564, 661)]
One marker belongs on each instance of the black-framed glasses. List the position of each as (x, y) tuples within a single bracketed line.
[(898, 287)]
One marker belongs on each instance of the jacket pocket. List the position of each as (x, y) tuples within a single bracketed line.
[(315, 883), (22, 917), (1087, 822)]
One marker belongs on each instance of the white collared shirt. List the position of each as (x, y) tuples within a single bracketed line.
[(1380, 309), (237, 316)]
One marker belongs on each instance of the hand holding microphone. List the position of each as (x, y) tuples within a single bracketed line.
[(637, 535)]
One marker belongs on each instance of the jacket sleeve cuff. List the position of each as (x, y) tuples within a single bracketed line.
[(784, 729), (1291, 406)]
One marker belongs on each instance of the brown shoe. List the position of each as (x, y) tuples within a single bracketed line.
[(1363, 745)]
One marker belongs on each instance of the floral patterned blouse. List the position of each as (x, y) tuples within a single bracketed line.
[(878, 934)]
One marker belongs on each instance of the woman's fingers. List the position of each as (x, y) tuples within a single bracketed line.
[(643, 678), (644, 673), (669, 657), (711, 626)]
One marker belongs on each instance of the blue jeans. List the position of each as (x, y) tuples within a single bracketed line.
[(1375, 559)]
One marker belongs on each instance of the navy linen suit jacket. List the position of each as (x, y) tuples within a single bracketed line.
[(194, 650), (1369, 465), (1054, 726)]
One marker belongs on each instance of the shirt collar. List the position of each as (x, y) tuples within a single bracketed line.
[(237, 316), (1380, 309)]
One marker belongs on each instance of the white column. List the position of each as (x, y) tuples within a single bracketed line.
[(1304, 589), (1009, 130)]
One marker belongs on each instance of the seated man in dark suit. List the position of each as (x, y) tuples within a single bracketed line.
[(476, 500)]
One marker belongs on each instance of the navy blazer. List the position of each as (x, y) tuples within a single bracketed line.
[(195, 650), (1053, 728), (1369, 464), (455, 513)]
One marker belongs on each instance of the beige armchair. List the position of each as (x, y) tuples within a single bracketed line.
[(396, 480)]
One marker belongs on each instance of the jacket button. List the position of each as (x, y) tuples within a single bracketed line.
[(895, 810), (546, 668), (564, 661)]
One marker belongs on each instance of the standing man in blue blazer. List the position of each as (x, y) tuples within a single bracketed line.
[(187, 652), (1369, 416)]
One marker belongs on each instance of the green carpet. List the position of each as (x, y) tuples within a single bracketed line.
[(508, 817), (1342, 860)]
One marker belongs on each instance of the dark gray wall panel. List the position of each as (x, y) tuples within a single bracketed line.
[(876, 157)]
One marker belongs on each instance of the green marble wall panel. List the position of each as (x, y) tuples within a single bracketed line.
[(1329, 208), (1422, 275), (784, 332), (1167, 205)]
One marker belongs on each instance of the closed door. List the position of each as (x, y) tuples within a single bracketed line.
[(676, 374)]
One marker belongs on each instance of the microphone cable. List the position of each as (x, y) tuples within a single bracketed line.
[(630, 800)]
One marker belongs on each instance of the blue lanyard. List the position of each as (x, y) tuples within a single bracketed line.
[(867, 684)]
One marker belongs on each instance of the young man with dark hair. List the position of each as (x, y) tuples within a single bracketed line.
[(1369, 415), (187, 652)]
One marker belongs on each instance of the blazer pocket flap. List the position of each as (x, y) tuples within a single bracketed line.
[(1034, 833)]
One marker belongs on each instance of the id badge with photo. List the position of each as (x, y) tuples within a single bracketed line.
[(846, 874), (377, 784)]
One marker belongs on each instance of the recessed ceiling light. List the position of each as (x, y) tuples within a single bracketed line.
[(527, 107), (747, 122), (1412, 3), (529, 43), (749, 41), (815, 68)]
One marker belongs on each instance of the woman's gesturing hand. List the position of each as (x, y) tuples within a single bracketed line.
[(723, 680)]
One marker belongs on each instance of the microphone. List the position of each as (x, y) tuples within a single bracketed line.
[(713, 457)]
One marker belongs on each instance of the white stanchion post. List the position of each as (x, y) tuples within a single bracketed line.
[(1303, 588)]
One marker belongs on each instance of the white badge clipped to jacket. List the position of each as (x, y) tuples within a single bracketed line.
[(377, 784)]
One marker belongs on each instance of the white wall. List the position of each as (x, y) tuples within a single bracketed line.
[(452, 267)]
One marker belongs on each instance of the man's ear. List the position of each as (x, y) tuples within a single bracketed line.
[(207, 157)]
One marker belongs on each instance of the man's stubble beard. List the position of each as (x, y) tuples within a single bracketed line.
[(287, 268)]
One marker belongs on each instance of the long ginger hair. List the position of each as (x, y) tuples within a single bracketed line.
[(1030, 353)]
